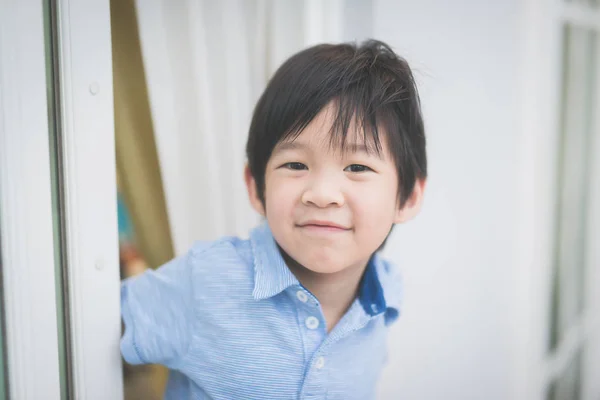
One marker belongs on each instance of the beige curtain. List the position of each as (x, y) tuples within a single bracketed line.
[(138, 172), (137, 162)]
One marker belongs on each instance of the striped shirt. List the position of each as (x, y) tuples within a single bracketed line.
[(231, 321)]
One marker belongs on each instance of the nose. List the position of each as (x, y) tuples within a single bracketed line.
[(323, 191)]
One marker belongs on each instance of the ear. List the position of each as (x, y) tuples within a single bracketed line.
[(412, 206), (253, 192)]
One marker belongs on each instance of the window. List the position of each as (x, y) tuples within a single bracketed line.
[(57, 202), (572, 348), (3, 366)]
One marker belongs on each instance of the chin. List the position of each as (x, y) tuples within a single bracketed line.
[(325, 271), (323, 264)]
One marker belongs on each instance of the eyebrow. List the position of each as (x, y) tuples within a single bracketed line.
[(350, 148)]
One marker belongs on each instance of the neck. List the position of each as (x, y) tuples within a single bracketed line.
[(335, 291)]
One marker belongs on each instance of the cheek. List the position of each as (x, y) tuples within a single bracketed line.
[(281, 196), (375, 208), (377, 197)]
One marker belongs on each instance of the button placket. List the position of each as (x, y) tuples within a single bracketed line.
[(312, 322), (320, 362), (302, 296), (315, 386)]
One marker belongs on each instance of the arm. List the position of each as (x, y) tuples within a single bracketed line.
[(157, 309)]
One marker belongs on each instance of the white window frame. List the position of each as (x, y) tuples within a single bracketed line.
[(87, 133), (542, 50), (86, 84), (26, 230)]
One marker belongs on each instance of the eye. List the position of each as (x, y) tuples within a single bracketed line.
[(296, 166), (357, 168)]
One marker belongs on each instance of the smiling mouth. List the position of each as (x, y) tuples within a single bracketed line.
[(323, 226)]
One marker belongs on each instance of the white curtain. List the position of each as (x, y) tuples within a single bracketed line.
[(206, 63)]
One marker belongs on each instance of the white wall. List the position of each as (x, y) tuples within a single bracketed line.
[(456, 339)]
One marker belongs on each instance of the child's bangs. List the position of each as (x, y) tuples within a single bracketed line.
[(356, 123)]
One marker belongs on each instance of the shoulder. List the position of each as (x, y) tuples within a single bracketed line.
[(221, 264), (392, 284), (227, 248), (389, 274)]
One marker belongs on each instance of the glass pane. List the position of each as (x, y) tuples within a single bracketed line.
[(551, 392), (575, 161), (568, 385), (50, 35), (3, 363)]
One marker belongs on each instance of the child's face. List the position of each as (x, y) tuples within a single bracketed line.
[(329, 210)]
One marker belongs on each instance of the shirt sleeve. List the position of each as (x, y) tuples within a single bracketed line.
[(157, 310)]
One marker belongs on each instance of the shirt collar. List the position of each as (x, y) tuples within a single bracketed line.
[(271, 274), (379, 291)]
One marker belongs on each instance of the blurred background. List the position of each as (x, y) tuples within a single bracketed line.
[(501, 269)]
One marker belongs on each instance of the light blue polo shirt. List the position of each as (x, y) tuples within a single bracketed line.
[(231, 321)]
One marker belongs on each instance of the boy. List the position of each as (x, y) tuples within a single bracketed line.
[(336, 157)]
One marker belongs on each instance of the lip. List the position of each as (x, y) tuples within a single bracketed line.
[(320, 225)]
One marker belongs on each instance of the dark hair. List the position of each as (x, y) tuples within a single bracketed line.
[(368, 84)]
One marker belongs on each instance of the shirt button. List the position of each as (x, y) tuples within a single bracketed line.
[(302, 296), (312, 323), (320, 363)]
